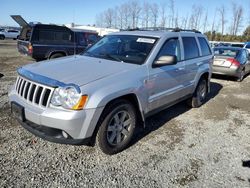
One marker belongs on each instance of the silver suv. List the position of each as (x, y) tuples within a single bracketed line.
[(101, 95)]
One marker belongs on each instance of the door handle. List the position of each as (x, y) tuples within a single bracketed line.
[(180, 68)]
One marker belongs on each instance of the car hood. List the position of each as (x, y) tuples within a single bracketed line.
[(79, 70)]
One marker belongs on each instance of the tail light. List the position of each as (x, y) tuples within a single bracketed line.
[(30, 49), (234, 62)]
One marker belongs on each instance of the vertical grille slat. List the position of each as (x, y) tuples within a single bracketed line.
[(26, 89), (23, 87), (19, 86), (38, 94), (46, 97), (42, 96), (32, 92), (17, 83), (35, 92)]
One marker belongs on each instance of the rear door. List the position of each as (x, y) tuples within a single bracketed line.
[(192, 62)]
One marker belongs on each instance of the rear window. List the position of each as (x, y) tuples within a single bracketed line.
[(205, 50), (225, 52), (191, 49)]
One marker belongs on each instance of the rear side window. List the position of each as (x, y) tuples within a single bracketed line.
[(205, 50), (171, 47), (248, 46), (44, 35), (191, 49)]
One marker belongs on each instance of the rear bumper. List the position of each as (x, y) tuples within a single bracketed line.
[(226, 71)]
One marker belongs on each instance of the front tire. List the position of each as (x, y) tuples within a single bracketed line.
[(117, 126), (199, 95)]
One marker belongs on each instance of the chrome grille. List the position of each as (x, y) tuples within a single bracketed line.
[(33, 92)]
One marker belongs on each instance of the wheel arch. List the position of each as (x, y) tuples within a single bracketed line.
[(205, 76), (56, 52), (133, 99)]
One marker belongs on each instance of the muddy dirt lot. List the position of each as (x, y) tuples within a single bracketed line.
[(202, 147)]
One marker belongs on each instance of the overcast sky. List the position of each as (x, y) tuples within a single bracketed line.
[(85, 11)]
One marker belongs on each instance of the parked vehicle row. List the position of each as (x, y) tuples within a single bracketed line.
[(102, 95)]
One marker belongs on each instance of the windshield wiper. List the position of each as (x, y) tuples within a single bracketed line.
[(89, 54), (111, 57)]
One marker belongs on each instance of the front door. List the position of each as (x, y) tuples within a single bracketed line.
[(165, 83)]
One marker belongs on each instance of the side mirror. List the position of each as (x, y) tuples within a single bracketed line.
[(165, 60)]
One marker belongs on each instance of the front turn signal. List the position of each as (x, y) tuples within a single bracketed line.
[(81, 103)]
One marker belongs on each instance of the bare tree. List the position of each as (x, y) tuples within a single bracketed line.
[(213, 23), (184, 22), (163, 17), (176, 20), (221, 11), (108, 18), (135, 10), (126, 11), (154, 11), (172, 12), (205, 23), (146, 13), (237, 18), (120, 17), (196, 16), (99, 20)]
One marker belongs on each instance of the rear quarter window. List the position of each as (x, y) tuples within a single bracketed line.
[(205, 50), (191, 49)]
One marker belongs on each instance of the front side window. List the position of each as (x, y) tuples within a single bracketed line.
[(171, 47), (123, 48), (191, 49)]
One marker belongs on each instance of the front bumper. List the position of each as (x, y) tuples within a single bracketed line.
[(226, 71), (52, 134), (49, 122)]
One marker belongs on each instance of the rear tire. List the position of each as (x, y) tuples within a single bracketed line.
[(116, 127), (200, 94), (241, 76), (57, 55), (2, 37)]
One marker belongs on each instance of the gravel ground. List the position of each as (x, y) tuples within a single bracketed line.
[(181, 147)]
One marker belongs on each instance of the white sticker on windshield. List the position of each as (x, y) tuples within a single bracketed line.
[(146, 40)]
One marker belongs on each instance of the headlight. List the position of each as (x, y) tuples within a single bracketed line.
[(68, 97)]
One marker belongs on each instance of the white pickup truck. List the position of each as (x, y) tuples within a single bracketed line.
[(10, 34)]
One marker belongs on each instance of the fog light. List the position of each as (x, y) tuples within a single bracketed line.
[(65, 135)]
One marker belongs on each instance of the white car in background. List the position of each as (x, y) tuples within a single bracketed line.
[(9, 34)]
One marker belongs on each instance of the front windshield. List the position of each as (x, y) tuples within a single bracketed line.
[(122, 48)]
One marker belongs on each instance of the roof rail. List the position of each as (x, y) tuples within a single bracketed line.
[(162, 29)]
